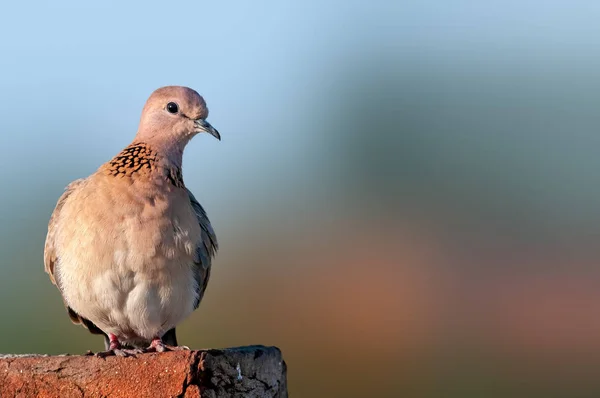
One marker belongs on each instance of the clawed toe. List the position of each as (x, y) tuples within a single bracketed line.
[(121, 353), (118, 352), (165, 348), (104, 354), (116, 349), (158, 346)]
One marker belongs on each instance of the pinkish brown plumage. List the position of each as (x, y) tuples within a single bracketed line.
[(129, 247)]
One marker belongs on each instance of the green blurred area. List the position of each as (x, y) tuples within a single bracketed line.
[(407, 202)]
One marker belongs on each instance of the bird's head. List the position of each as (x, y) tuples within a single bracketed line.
[(174, 114)]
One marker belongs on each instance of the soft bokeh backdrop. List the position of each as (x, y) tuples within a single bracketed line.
[(407, 194)]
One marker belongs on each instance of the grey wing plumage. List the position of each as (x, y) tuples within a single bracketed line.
[(206, 249)]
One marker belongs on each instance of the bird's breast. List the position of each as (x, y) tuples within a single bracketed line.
[(136, 227), (128, 265)]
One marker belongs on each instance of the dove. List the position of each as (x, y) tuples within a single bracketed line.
[(130, 247)]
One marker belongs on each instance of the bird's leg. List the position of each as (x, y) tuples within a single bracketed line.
[(115, 348), (114, 342), (157, 345)]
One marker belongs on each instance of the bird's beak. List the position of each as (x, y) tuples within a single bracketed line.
[(204, 126)]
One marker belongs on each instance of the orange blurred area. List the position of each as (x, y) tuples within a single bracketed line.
[(395, 312)]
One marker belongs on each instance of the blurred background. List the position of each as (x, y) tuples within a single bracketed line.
[(407, 194)]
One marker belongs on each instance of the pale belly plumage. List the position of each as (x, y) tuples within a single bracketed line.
[(130, 272), (134, 305)]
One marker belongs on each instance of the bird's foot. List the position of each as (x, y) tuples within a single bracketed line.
[(117, 352), (157, 345), (116, 349)]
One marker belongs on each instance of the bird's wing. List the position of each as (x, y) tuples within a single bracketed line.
[(50, 256), (205, 250)]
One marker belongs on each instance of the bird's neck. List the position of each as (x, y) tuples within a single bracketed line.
[(168, 143), (170, 154), (143, 160)]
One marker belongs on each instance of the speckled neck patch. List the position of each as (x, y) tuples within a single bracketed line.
[(135, 158), (139, 159)]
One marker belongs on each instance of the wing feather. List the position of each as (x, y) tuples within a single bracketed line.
[(50, 256), (206, 249)]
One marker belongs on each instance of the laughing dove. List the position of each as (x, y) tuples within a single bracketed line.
[(130, 247)]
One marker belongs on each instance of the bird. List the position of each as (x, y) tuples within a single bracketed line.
[(129, 247)]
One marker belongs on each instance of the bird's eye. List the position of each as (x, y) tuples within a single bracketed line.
[(172, 107)]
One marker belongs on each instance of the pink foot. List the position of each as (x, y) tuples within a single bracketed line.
[(157, 345), (115, 349), (114, 342)]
